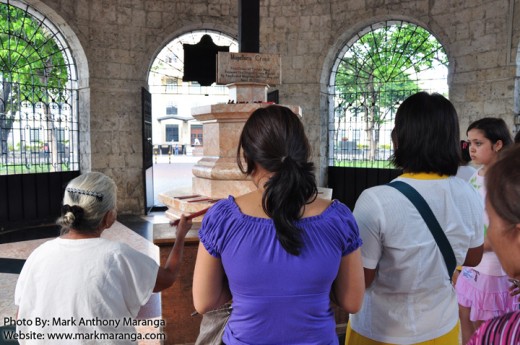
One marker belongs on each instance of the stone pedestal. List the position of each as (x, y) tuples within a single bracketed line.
[(216, 175), (247, 92), (179, 202), (177, 301)]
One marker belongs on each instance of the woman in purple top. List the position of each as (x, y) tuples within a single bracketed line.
[(503, 209), (280, 252)]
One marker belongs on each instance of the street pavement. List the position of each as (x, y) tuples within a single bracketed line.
[(172, 172)]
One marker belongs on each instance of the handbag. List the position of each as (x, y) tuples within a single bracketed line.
[(432, 223), (213, 324)]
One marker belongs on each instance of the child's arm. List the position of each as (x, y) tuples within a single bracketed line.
[(473, 256)]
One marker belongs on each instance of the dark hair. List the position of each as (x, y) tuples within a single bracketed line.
[(503, 184), (426, 135), (274, 138), (494, 129), (517, 137), (464, 149)]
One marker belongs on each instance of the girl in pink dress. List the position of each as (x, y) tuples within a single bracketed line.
[(483, 291), (503, 183)]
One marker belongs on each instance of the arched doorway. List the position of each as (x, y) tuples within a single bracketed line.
[(39, 124), (177, 138), (374, 72)]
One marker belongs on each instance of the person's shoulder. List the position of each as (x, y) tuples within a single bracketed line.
[(116, 248), (465, 172), (382, 188), (462, 188), (477, 178), (44, 249), (216, 224), (122, 248), (49, 245), (223, 211), (316, 207), (115, 251), (330, 212), (505, 327), (377, 194), (222, 205)]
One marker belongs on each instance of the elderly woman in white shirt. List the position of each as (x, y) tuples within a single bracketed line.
[(85, 285)]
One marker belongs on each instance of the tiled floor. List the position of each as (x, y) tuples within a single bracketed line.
[(13, 255)]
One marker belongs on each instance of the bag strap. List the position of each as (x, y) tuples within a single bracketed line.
[(434, 226)]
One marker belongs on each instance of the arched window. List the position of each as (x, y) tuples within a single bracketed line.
[(173, 98), (376, 70), (167, 70), (174, 130), (38, 94)]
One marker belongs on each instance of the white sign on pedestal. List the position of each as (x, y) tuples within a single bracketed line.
[(248, 67)]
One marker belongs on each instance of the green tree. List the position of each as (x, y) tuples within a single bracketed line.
[(32, 69), (380, 70)]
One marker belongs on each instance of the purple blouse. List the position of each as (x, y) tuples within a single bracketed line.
[(279, 298)]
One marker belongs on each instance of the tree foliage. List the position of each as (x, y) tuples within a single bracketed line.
[(387, 58), (32, 65), (381, 69)]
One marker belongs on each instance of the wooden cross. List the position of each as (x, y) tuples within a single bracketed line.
[(249, 26)]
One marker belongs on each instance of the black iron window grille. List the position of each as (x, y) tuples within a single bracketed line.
[(379, 68), (39, 130)]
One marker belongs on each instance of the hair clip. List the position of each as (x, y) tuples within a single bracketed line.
[(97, 195)]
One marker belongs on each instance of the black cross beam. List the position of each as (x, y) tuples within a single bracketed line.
[(200, 59), (249, 26)]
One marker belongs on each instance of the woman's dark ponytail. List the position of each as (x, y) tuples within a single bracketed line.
[(286, 194), (274, 138)]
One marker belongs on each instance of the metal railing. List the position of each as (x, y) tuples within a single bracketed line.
[(40, 137)]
